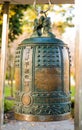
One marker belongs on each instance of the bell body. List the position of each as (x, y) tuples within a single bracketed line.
[(42, 76)]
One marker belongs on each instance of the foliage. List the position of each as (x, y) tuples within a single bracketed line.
[(72, 91), (8, 105), (28, 20), (15, 20), (72, 100), (19, 15), (7, 91), (64, 16), (72, 106), (16, 13)]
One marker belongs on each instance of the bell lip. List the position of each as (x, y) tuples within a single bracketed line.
[(42, 40), (42, 118)]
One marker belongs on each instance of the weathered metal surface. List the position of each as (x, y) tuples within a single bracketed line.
[(44, 90), (41, 118), (43, 68)]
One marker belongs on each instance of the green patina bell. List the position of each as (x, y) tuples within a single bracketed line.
[(42, 76)]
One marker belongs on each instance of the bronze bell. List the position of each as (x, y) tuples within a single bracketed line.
[(42, 76)]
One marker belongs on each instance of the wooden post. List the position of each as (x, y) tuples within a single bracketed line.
[(78, 66), (3, 59)]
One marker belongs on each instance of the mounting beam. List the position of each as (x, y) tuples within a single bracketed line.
[(39, 1)]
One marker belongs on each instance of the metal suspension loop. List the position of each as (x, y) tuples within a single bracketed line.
[(49, 2)]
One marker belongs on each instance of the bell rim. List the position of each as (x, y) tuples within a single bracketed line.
[(42, 118)]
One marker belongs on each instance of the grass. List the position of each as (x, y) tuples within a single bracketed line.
[(72, 92), (8, 105), (72, 100), (8, 102), (7, 91)]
